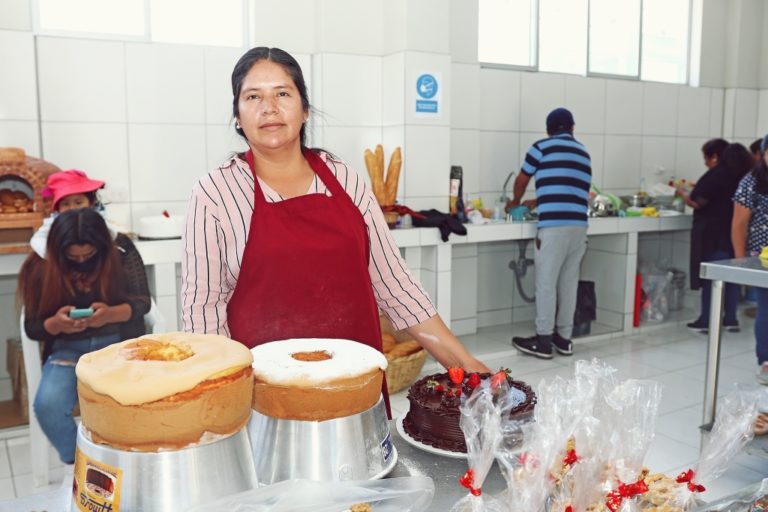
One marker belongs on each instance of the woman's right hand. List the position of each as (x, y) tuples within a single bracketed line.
[(61, 322)]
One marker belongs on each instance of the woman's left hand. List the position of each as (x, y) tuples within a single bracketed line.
[(100, 316)]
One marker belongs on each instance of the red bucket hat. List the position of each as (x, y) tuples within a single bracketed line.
[(71, 181)]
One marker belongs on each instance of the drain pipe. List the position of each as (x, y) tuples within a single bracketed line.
[(520, 268)]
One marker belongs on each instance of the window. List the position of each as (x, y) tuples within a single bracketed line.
[(665, 40), (614, 37), (637, 39), (118, 17), (563, 36), (171, 21), (507, 32)]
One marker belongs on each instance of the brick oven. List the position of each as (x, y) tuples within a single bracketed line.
[(22, 207)]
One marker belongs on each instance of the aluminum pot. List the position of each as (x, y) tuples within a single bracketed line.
[(637, 200), (110, 479), (356, 447)]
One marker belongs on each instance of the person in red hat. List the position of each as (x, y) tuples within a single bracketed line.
[(68, 190)]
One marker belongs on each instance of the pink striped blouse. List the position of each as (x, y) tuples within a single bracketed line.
[(218, 220)]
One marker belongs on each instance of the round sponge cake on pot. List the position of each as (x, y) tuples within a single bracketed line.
[(313, 379), (164, 391)]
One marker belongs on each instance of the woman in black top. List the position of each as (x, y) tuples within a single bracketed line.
[(711, 200), (85, 268)]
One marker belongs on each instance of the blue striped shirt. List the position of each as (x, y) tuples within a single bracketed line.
[(562, 171)]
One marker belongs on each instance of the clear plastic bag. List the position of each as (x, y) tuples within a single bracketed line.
[(481, 419), (405, 494), (732, 430)]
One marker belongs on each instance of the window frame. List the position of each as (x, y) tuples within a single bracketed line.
[(128, 38), (611, 76)]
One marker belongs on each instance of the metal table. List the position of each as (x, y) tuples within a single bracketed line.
[(748, 271)]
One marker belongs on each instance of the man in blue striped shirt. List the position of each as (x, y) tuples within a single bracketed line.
[(562, 170)]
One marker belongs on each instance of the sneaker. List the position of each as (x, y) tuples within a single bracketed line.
[(536, 345), (562, 345), (698, 325), (762, 374), (731, 326)]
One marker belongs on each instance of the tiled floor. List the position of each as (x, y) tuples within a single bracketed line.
[(671, 355)]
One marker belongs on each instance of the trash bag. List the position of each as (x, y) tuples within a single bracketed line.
[(586, 303)]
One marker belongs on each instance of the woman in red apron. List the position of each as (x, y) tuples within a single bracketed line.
[(305, 262)]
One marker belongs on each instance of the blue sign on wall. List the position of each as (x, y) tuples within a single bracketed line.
[(426, 86)]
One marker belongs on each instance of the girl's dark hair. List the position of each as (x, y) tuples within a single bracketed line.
[(45, 285), (761, 171), (738, 160), (277, 56), (714, 147)]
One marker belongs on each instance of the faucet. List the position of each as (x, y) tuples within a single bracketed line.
[(504, 197)]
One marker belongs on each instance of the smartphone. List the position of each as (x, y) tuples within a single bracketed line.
[(81, 313)]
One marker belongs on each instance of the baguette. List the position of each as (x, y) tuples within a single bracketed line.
[(393, 175)]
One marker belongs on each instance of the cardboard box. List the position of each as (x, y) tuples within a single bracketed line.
[(15, 366)]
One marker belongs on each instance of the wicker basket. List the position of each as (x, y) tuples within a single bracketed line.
[(401, 372)]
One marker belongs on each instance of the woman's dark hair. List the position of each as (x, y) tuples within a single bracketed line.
[(277, 56), (755, 146), (45, 285), (761, 171), (738, 160), (714, 147)]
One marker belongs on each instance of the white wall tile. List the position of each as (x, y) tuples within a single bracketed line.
[(350, 143), (500, 153), (392, 93), (463, 40), (89, 92), (166, 161), (221, 141), (658, 159), (427, 160), (585, 98), (463, 288), (22, 134), (745, 122), (465, 151), (219, 63), (296, 36), (99, 149), (622, 161), (350, 98), (465, 96), (349, 26), (499, 99), (595, 145), (717, 102), (438, 65), (688, 159), (762, 113), (623, 108), (429, 26), (729, 113), (394, 38), (540, 94), (495, 280), (660, 107), (16, 16), (165, 83), (693, 112), (18, 99)]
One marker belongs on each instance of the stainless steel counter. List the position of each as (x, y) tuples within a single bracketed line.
[(748, 271)]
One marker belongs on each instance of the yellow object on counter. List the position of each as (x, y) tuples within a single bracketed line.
[(764, 254), (649, 212)]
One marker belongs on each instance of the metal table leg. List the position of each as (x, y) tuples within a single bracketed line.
[(713, 352)]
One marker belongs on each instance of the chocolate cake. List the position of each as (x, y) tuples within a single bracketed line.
[(433, 418)]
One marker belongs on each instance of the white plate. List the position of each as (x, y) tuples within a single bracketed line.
[(425, 447)]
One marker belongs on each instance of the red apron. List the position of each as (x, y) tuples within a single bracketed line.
[(304, 272)]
